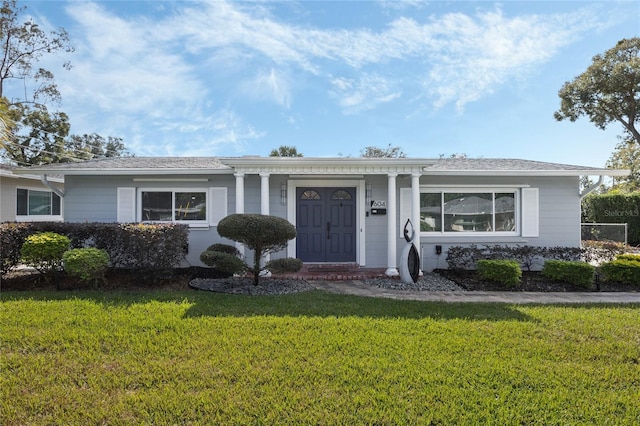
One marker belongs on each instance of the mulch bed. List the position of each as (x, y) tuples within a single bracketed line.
[(531, 281), (179, 279)]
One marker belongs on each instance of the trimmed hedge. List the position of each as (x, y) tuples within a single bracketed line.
[(153, 247), (577, 273), (467, 257), (623, 271), (505, 272), (629, 256), (614, 208)]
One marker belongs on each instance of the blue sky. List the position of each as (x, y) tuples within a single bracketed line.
[(330, 77)]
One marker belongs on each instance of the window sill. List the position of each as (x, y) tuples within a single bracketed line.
[(42, 218)]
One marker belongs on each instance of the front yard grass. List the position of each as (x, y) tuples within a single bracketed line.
[(184, 357)]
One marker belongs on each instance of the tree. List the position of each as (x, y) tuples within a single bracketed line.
[(388, 152), (30, 133), (43, 139), (285, 151), (626, 156), (608, 91), (24, 44), (87, 147), (261, 233)]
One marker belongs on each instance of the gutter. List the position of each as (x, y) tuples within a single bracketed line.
[(592, 188), (49, 185)]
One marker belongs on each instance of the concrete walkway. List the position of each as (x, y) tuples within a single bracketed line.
[(358, 288)]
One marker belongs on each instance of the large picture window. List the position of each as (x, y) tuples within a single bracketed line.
[(37, 203), (452, 212), (174, 206)]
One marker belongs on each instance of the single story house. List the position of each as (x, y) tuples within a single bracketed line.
[(26, 198), (346, 210)]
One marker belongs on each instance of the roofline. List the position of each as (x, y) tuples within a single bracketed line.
[(10, 174), (578, 172), (129, 171)]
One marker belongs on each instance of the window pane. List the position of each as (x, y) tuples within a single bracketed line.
[(468, 212), (22, 196), (190, 206), (39, 203), (156, 206), (56, 204), (505, 211), (431, 212)]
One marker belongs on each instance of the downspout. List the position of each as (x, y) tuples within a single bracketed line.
[(592, 188), (49, 185)]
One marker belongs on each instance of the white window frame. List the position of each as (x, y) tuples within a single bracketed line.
[(471, 190), (38, 217), (173, 190)]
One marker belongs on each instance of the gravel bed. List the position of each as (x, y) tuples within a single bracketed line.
[(427, 282), (243, 285)]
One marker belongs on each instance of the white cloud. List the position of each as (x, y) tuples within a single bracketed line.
[(273, 85), (179, 69), (363, 94)]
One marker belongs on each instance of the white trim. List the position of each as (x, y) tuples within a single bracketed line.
[(170, 180), (38, 217), (358, 184), (530, 212), (126, 205), (173, 190), (472, 186), (217, 204), (442, 189)]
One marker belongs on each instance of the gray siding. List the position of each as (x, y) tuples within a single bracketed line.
[(559, 217), (93, 199)]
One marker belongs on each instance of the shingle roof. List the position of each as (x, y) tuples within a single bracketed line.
[(129, 164), (209, 165), (500, 164)]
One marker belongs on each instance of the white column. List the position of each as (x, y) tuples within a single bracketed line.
[(415, 209), (239, 192), (264, 193), (392, 227)]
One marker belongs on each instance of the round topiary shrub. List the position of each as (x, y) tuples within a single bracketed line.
[(261, 233), (44, 251), (87, 264), (224, 248), (223, 262), (288, 264)]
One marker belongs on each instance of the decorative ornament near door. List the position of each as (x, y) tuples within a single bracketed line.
[(410, 260)]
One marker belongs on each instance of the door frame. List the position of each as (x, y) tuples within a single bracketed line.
[(357, 183)]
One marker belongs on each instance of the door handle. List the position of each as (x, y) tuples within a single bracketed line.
[(328, 230)]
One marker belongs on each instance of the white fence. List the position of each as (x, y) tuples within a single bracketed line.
[(616, 232)]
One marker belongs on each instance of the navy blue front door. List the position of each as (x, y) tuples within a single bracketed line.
[(326, 224)]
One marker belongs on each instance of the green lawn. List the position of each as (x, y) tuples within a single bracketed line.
[(312, 358)]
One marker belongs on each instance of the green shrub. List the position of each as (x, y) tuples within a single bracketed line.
[(261, 233), (629, 256), (152, 247), (224, 248), (288, 264), (505, 272), (44, 251), (577, 273), (622, 271), (529, 257), (12, 236), (87, 264), (223, 262)]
